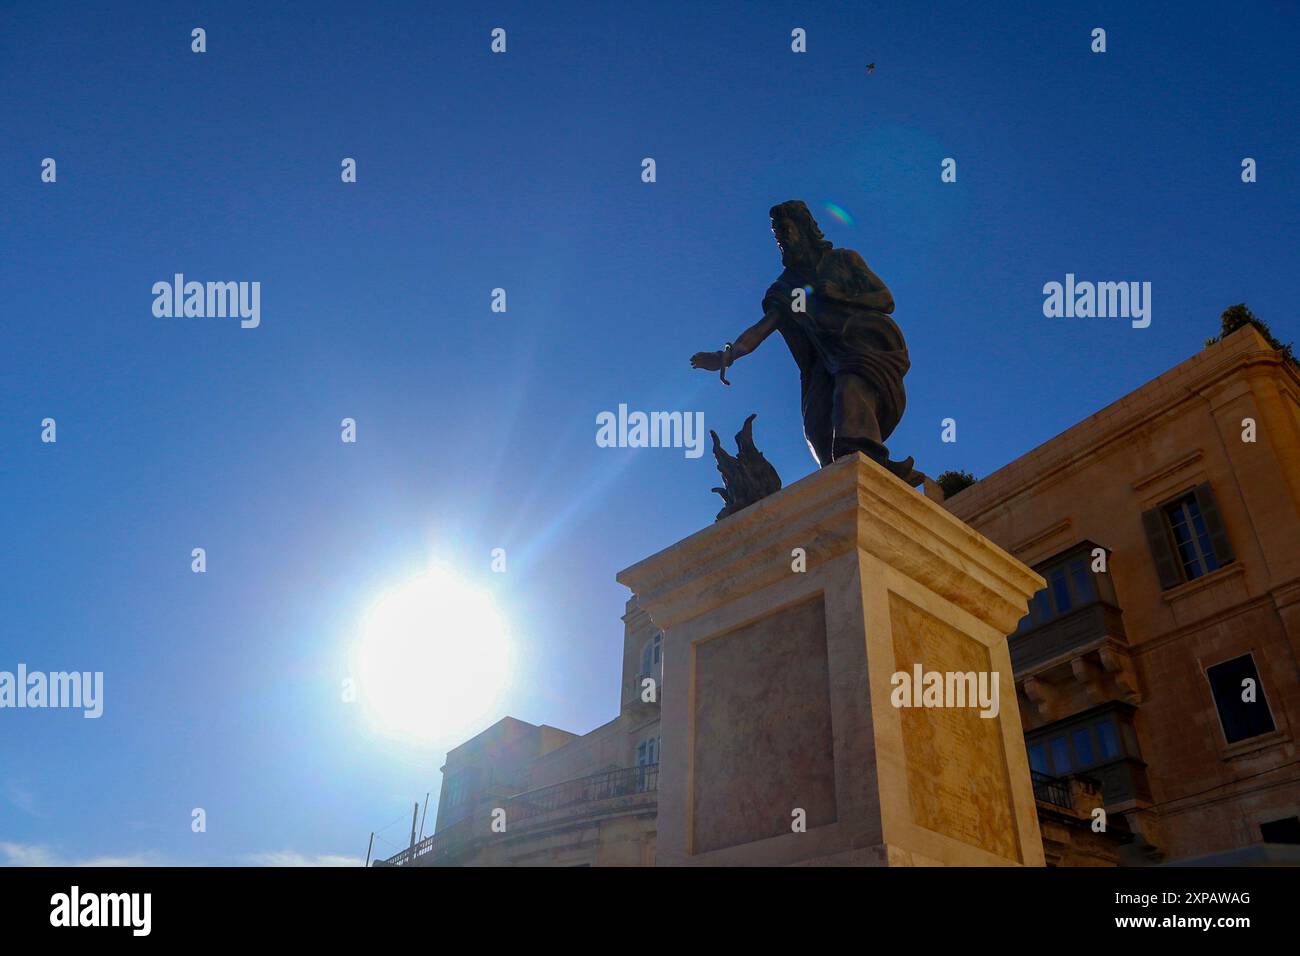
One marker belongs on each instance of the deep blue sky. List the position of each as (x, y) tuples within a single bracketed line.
[(477, 429)]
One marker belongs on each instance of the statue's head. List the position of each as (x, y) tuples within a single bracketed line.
[(797, 232)]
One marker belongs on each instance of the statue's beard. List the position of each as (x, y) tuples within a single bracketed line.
[(796, 257)]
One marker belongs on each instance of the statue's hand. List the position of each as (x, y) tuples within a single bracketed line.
[(709, 361)]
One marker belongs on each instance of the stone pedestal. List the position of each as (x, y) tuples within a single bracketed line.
[(783, 627)]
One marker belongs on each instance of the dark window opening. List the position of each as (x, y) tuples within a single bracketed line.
[(1281, 831), (1242, 714)]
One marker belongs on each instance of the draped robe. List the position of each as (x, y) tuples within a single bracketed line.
[(833, 337)]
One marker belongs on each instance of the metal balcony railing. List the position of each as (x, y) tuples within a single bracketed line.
[(437, 845), (605, 785), (1053, 790), (599, 786)]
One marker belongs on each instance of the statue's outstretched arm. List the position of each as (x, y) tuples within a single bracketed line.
[(753, 336), (749, 340)]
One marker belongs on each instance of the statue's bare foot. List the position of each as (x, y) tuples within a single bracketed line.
[(905, 469)]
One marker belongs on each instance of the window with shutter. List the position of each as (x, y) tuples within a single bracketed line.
[(1186, 537), (1162, 552), (1209, 509)]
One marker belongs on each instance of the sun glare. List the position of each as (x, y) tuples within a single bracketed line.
[(433, 658)]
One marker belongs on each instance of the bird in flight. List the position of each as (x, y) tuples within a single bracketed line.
[(871, 68)]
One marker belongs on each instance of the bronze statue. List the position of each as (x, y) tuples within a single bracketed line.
[(834, 314)]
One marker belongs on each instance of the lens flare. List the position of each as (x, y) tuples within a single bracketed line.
[(839, 212)]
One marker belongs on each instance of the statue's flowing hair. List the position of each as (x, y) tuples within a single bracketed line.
[(797, 212)]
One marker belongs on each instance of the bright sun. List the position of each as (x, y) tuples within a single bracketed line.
[(433, 658)]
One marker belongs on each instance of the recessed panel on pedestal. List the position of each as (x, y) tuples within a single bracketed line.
[(956, 763), (762, 743)]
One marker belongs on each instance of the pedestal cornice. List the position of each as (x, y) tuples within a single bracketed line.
[(852, 503)]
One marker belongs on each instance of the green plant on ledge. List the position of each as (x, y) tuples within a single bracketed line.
[(1236, 316), (954, 481)]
